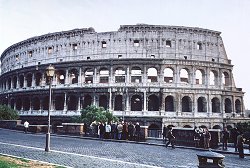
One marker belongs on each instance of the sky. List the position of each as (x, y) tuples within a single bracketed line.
[(23, 19)]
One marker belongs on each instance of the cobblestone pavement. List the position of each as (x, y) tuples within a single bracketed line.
[(76, 152)]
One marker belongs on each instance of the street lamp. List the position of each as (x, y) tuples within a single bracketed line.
[(50, 71)]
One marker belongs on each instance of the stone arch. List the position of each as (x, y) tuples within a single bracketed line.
[(154, 130), (87, 101), (45, 103), (237, 106), (136, 74), (9, 83), (38, 78), (225, 79), (103, 101), (120, 75), (184, 75), (215, 105), (153, 103), (88, 75), (36, 103), (29, 79), (73, 76), (118, 103), (136, 103), (72, 102), (152, 74), (169, 103), (228, 105), (168, 75), (213, 78), (59, 102), (186, 104), (202, 104), (187, 126), (104, 75)]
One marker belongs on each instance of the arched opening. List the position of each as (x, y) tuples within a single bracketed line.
[(45, 103), (186, 104), (136, 75), (26, 104), (59, 102), (21, 80), (169, 103), (225, 79), (237, 106), (153, 103), (19, 104), (29, 80), (103, 102), (168, 75), (14, 82), (213, 78), (228, 105), (104, 75), (187, 126), (202, 104), (152, 75), (184, 76), (154, 131), (38, 79), (89, 73), (120, 75), (36, 103), (199, 77), (9, 83), (60, 74), (72, 102), (118, 103), (73, 76), (136, 103), (215, 105), (87, 101)]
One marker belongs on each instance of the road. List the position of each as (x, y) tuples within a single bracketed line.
[(77, 152)]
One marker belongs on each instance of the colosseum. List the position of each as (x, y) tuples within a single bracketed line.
[(154, 74)]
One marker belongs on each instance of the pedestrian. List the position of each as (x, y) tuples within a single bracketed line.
[(225, 138), (114, 130), (26, 126), (137, 131), (171, 138), (234, 135), (101, 130), (125, 131), (207, 138), (164, 133), (197, 137), (131, 130), (107, 130), (240, 143), (119, 130)]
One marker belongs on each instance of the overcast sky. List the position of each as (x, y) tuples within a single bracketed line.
[(22, 19)]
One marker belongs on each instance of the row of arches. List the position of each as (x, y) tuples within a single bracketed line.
[(119, 75), (118, 102)]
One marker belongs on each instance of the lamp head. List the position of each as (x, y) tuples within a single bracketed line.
[(50, 71)]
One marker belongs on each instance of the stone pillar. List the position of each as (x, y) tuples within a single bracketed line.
[(127, 101), (17, 83), (65, 102), (24, 81), (209, 105), (128, 75), (78, 104), (80, 76), (145, 100), (207, 77), (96, 76), (67, 76), (110, 100), (111, 75), (144, 75), (33, 80), (177, 76), (194, 108)]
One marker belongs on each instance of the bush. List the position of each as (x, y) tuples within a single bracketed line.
[(7, 113)]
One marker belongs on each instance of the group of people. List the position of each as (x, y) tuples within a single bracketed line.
[(119, 131), (202, 137)]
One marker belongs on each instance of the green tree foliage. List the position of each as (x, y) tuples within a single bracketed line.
[(95, 114), (7, 113), (244, 127)]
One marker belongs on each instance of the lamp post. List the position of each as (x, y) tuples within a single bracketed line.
[(50, 71)]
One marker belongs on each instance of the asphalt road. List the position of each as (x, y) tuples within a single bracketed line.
[(76, 152)]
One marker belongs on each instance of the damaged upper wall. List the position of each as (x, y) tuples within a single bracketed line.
[(130, 41)]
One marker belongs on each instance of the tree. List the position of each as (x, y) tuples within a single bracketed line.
[(95, 114), (7, 113)]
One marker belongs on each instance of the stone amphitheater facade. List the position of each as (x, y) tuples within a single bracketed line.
[(153, 74)]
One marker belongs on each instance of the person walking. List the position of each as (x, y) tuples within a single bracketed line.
[(234, 135), (164, 133), (171, 138), (107, 130), (131, 130), (137, 131), (26, 126), (101, 130), (240, 143), (119, 130), (207, 138), (225, 138)]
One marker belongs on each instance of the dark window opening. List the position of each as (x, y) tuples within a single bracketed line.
[(169, 103), (153, 103), (186, 104), (136, 103), (118, 103), (104, 44), (103, 101), (136, 43), (168, 43)]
